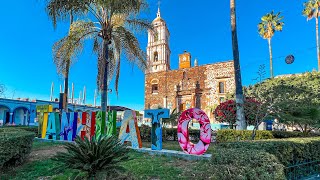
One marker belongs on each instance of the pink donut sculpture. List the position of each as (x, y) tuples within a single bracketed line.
[(183, 133)]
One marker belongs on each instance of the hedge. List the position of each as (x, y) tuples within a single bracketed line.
[(244, 164), (15, 145), (230, 135), (167, 134), (33, 129), (291, 134), (288, 151)]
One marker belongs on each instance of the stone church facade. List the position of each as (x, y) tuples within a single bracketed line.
[(202, 86)]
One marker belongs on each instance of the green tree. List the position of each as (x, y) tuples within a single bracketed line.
[(293, 100), (270, 23), (311, 10), (241, 122), (63, 54), (111, 27)]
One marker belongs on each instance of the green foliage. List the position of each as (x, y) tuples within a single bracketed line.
[(111, 26), (294, 100), (245, 164), (33, 129), (15, 145), (270, 23), (173, 120), (167, 134), (290, 134), (288, 151), (311, 9), (145, 133), (99, 157), (230, 135)]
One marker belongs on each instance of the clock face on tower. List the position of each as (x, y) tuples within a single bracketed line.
[(184, 58)]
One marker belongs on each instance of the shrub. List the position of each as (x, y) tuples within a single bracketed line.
[(15, 145), (33, 129), (230, 135), (291, 134), (145, 133), (289, 151), (98, 158), (245, 164)]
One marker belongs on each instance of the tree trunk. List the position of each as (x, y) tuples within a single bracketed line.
[(317, 36), (66, 78), (104, 89), (270, 54), (241, 122)]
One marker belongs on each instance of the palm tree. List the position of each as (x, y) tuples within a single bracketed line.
[(311, 10), (241, 121), (111, 32), (62, 63), (270, 23)]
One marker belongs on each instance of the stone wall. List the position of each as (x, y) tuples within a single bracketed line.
[(190, 87)]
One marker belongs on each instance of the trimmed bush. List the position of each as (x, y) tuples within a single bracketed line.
[(291, 134), (33, 129), (230, 135), (288, 151), (245, 164), (168, 134), (15, 145)]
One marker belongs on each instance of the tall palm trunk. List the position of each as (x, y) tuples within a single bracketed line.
[(270, 53), (241, 122), (104, 90), (318, 50), (66, 78)]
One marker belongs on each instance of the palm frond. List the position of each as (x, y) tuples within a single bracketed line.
[(60, 9)]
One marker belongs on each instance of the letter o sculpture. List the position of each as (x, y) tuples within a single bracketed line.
[(183, 133)]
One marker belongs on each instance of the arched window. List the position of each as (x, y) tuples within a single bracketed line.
[(184, 75), (155, 56), (221, 87)]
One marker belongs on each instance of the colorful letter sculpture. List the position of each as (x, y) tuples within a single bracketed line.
[(53, 128), (42, 112), (156, 130), (129, 130), (112, 123), (205, 131), (100, 123), (86, 123), (67, 125)]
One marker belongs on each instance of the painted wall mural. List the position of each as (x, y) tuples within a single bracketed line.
[(156, 129), (129, 130), (205, 131), (66, 126)]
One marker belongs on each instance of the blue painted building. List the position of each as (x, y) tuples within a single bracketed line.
[(23, 111)]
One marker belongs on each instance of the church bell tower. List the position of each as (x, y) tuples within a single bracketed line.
[(158, 51)]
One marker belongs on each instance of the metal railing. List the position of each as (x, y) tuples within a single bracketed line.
[(302, 170)]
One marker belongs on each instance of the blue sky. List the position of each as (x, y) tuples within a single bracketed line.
[(200, 27)]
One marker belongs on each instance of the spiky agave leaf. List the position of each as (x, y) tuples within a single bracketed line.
[(101, 154)]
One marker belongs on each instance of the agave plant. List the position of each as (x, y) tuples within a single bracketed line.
[(96, 158)]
